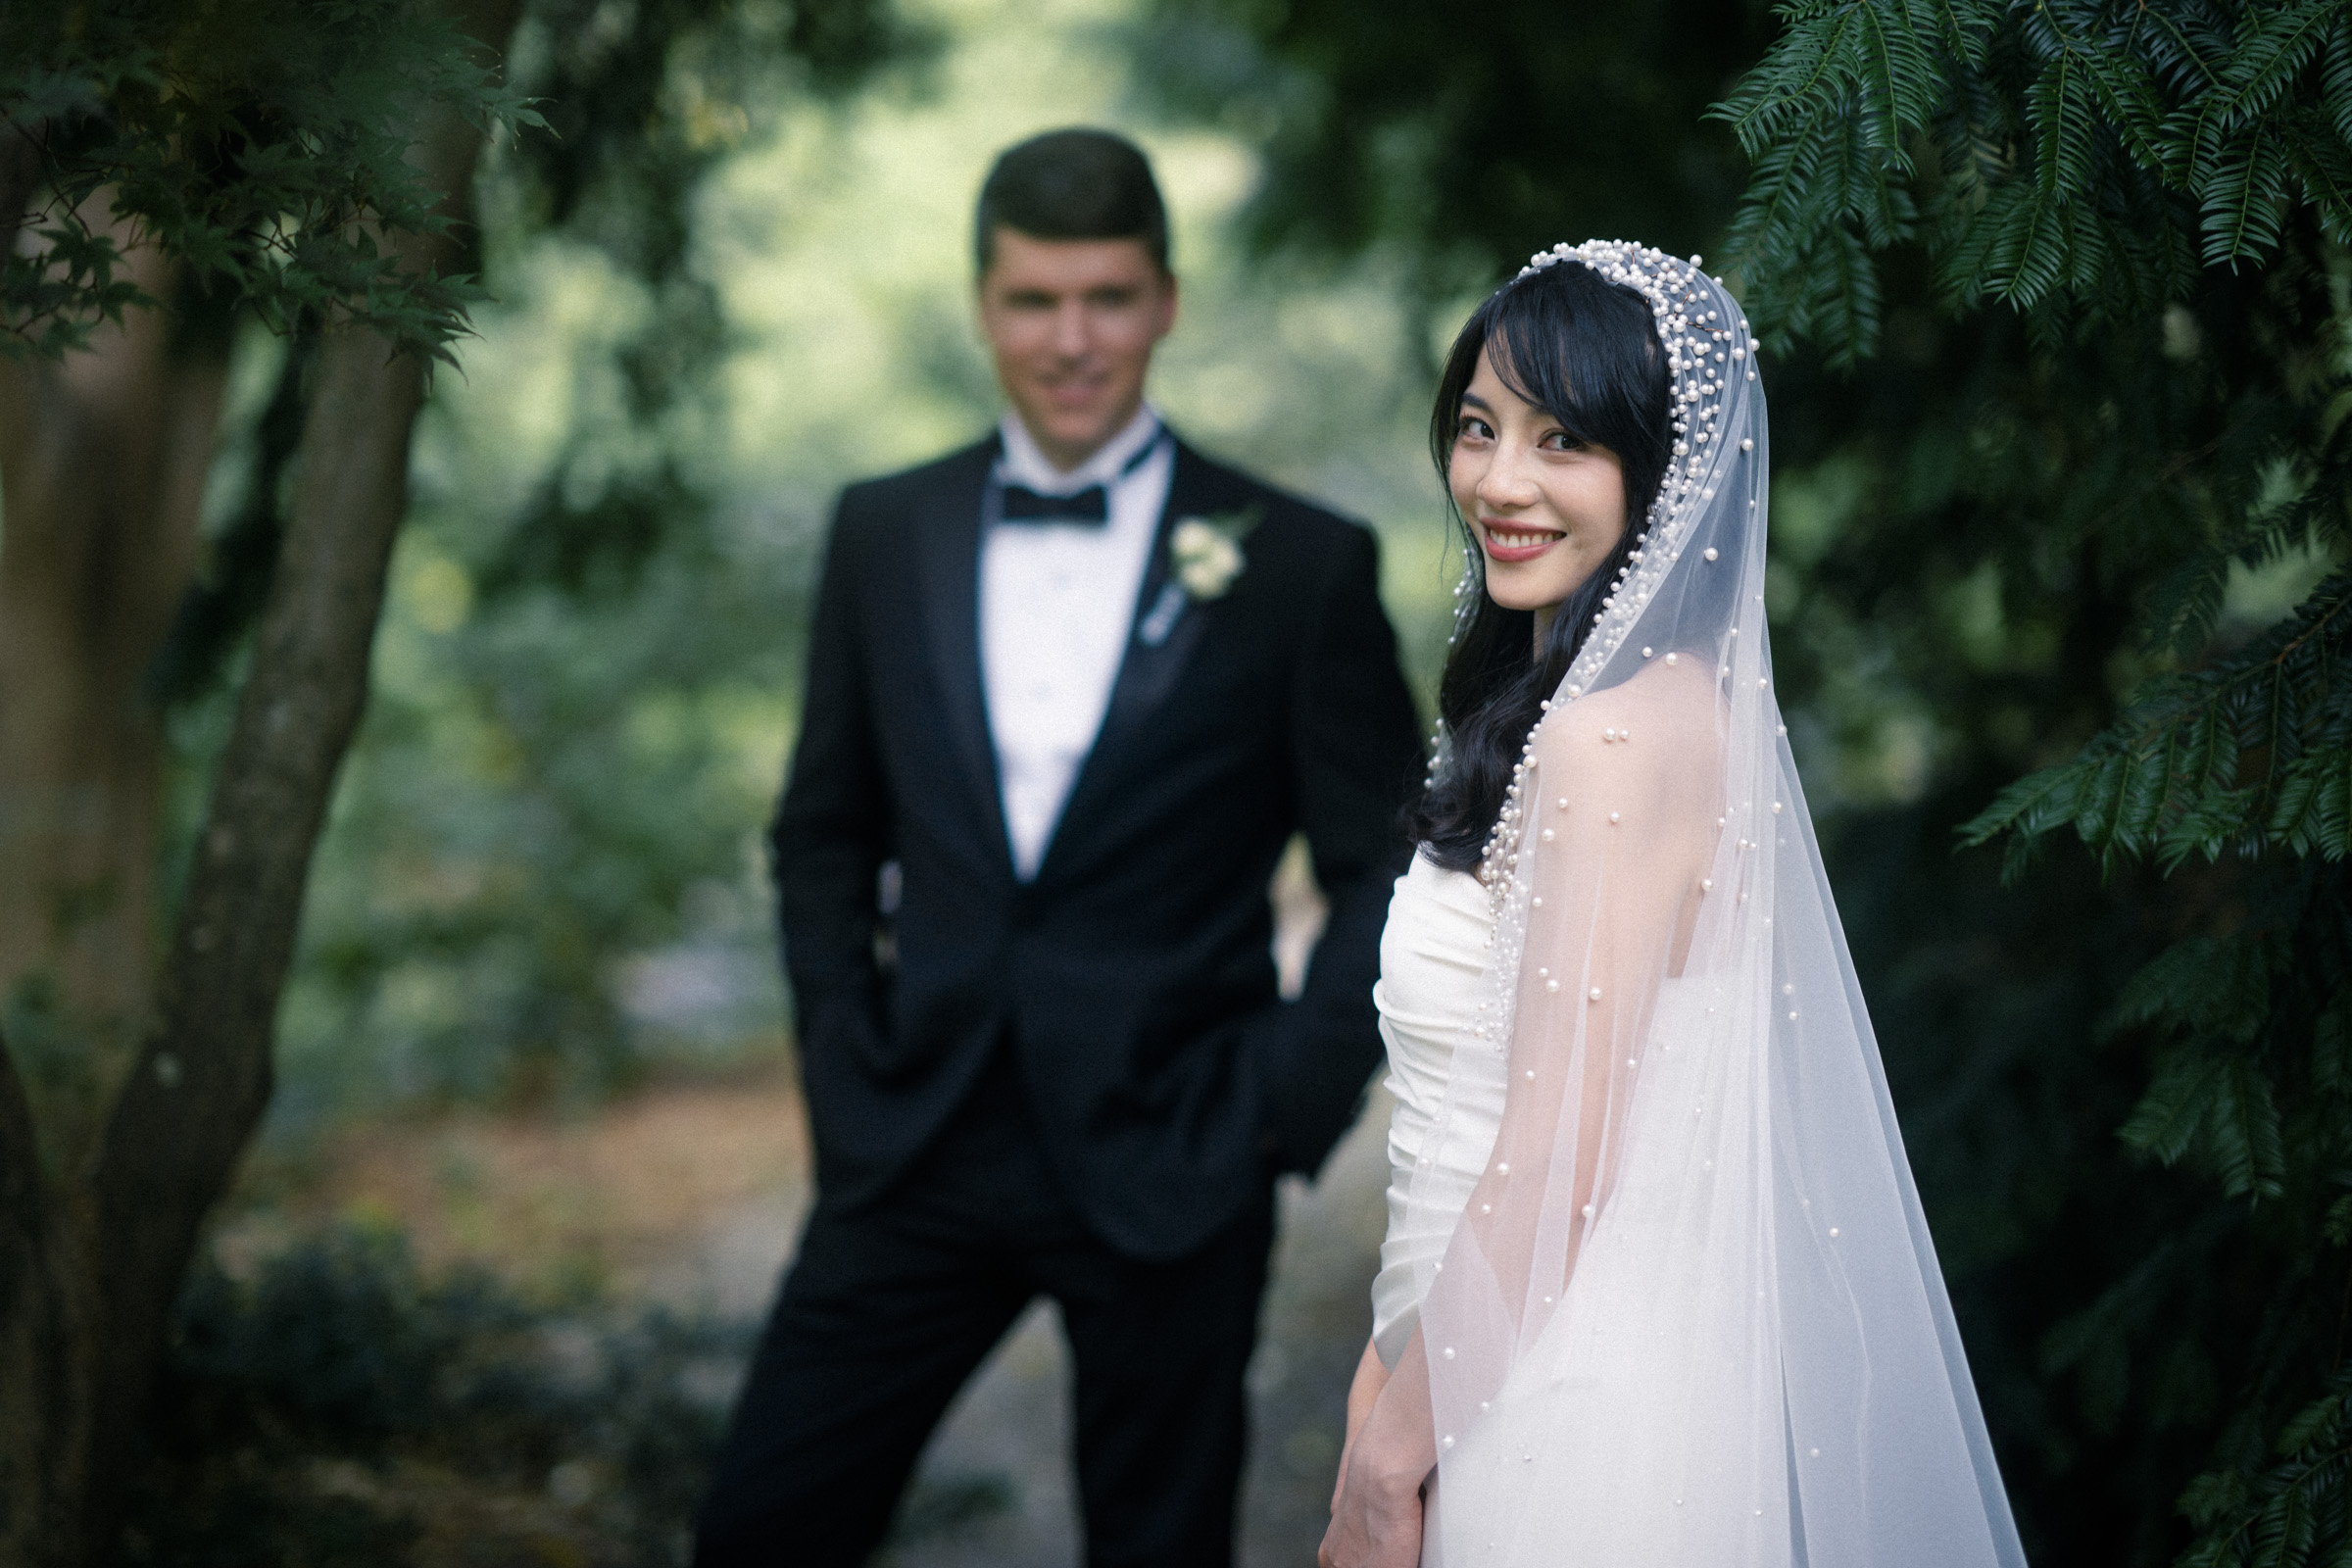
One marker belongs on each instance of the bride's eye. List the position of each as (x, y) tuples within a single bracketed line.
[(1471, 428), (1561, 441)]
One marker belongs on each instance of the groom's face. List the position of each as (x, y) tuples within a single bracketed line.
[(1073, 324)]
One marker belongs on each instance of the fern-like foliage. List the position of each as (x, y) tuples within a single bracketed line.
[(2171, 177), (263, 145), (2292, 1510), (2090, 150), (2252, 752)]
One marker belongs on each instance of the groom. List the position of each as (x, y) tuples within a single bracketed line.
[(1070, 691)]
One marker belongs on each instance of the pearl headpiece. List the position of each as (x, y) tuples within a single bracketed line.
[(1708, 346)]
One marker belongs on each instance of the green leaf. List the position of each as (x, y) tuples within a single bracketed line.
[(2246, 1147), (2216, 989), (2242, 196), (2171, 1117), (2314, 810)]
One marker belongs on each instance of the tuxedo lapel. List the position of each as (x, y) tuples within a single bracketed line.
[(951, 613), (1167, 626)]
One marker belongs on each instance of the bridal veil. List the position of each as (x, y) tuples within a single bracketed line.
[(1691, 1316)]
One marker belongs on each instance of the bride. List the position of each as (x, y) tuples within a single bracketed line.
[(1656, 1292)]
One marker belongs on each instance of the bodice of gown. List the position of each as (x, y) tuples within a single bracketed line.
[(1432, 959)]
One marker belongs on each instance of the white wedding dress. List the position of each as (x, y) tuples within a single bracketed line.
[(1628, 1353), (1432, 955), (1653, 1234)]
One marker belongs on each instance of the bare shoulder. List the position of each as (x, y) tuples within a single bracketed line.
[(1664, 718)]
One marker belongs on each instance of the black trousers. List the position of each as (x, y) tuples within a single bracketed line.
[(888, 1309)]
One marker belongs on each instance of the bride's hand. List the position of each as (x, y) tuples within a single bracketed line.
[(1376, 1515), (1370, 1377)]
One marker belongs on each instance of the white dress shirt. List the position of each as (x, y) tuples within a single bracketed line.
[(1056, 604)]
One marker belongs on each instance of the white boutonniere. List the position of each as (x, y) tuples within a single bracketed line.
[(1206, 552), (1204, 557)]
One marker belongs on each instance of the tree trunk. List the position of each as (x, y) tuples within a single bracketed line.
[(102, 470), (92, 1252)]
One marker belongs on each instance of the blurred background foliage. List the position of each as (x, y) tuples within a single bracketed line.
[(540, 877), (733, 282)]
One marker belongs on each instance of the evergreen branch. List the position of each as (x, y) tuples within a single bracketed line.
[(2168, 778), (2243, 194), (2271, 46), (2335, 79), (2250, 1516)]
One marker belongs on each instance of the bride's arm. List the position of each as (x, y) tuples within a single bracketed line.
[(1622, 812), (1371, 1376), (1376, 1508)]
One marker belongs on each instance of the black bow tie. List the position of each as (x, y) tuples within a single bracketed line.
[(1021, 503)]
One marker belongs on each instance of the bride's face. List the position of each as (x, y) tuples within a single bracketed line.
[(1546, 507)]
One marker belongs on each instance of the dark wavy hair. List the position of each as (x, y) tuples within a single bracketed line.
[(1075, 183), (1586, 351)]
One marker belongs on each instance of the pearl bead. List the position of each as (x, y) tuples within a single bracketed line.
[(1588, 1211), (1504, 1169), (1710, 552), (1833, 1233), (1594, 992), (1706, 885), (1447, 1352), (1612, 818)]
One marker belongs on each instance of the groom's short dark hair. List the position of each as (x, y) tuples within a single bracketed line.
[(1078, 183)]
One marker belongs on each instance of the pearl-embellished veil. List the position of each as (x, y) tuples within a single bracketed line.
[(1690, 1315)]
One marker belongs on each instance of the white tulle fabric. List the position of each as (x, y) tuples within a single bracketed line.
[(1688, 1314)]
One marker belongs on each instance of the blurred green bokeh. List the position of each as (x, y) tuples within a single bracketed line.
[(543, 873)]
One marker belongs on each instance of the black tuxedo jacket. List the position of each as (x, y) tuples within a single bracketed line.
[(1132, 976)]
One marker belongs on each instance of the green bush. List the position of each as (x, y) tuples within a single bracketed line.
[(334, 1406)]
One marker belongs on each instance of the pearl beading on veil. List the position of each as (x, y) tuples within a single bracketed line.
[(1703, 351)]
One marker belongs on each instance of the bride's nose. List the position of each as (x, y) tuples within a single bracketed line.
[(1507, 481)]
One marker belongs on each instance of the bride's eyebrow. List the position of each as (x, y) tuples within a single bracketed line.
[(1471, 400)]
